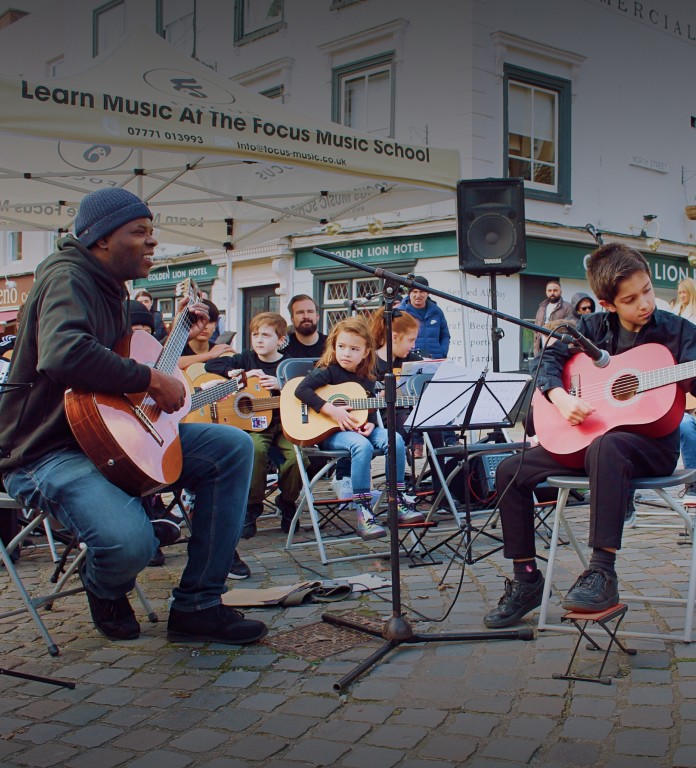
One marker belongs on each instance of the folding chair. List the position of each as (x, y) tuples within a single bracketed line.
[(331, 518), (657, 484), (33, 602)]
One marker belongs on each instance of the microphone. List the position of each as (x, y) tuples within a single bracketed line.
[(600, 357)]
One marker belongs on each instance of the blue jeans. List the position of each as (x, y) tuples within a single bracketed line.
[(118, 533), (361, 451), (687, 440)]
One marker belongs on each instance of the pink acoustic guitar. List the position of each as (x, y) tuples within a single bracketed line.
[(636, 392)]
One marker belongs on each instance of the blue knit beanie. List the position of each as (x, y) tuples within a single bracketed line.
[(105, 210)]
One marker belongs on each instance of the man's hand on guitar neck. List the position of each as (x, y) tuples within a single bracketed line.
[(168, 392), (199, 315), (573, 409)]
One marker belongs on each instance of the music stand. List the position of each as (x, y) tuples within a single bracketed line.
[(461, 398), (5, 451)]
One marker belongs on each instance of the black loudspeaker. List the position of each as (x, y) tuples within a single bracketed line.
[(490, 226)]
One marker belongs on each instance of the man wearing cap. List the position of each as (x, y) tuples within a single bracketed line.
[(433, 338), (74, 315)]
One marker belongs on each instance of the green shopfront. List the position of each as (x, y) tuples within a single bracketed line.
[(335, 285), (162, 283)]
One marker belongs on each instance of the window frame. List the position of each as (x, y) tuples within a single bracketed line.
[(562, 88), (159, 20), (241, 37), (338, 74), (96, 13)]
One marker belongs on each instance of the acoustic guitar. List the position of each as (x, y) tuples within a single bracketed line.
[(250, 409), (636, 392), (132, 442), (304, 426)]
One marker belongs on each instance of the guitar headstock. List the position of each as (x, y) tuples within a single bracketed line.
[(187, 288)]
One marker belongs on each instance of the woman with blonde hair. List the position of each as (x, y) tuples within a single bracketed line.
[(686, 299)]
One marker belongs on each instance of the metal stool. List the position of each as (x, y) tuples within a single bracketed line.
[(658, 485)]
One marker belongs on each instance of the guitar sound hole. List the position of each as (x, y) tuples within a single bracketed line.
[(245, 405), (339, 400), (625, 387)]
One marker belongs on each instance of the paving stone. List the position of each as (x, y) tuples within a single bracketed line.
[(263, 702), (634, 742), (646, 717), (104, 757), (397, 736), (541, 705), (372, 757), (81, 714), (127, 717), (233, 719), (92, 735), (198, 740), (512, 749), (160, 758), (416, 763), (584, 705), (573, 753), (454, 748), (685, 757), (531, 727), (113, 696), (473, 724), (142, 739), (47, 755), (429, 718), (237, 678), (317, 752), (256, 747), (287, 726), (319, 706), (586, 728), (341, 730)]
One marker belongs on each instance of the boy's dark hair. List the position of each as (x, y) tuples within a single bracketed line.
[(300, 297), (213, 311), (611, 263)]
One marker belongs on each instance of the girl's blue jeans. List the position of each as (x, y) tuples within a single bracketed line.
[(361, 452)]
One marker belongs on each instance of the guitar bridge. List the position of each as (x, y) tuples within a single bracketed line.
[(149, 426), (304, 413), (575, 388)]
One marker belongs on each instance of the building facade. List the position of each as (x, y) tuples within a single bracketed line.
[(595, 112)]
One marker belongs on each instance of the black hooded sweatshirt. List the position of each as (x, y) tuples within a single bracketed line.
[(73, 316)]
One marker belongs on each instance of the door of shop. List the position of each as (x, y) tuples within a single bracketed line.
[(260, 298)]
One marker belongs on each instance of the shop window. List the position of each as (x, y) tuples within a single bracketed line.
[(55, 67), (15, 250), (337, 296), (257, 18), (537, 135), (109, 26), (363, 95)]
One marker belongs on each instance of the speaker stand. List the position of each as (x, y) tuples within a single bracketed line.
[(497, 332)]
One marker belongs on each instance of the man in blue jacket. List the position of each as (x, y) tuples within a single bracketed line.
[(433, 338)]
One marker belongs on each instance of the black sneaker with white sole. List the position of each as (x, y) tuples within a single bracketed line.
[(519, 599), (239, 569), (594, 590)]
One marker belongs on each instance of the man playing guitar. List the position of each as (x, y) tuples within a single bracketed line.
[(620, 278), (74, 316)]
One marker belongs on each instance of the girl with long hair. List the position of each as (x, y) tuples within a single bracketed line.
[(350, 356), (686, 299)]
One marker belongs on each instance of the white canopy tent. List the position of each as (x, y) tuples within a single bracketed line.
[(220, 166)]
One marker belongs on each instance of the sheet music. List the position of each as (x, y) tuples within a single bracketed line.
[(446, 399)]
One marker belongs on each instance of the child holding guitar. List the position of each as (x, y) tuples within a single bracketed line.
[(620, 278), (349, 356), (268, 334)]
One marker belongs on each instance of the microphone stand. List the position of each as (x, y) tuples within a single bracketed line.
[(397, 630)]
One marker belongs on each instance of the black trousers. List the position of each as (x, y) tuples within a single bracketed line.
[(610, 463)]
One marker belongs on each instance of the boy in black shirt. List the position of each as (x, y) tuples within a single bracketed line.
[(268, 332)]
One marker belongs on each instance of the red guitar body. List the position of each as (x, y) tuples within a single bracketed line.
[(130, 440), (617, 395)]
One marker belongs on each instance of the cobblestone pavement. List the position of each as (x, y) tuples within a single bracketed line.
[(148, 703)]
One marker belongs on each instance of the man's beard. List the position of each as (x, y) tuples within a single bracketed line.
[(306, 329), (554, 299)]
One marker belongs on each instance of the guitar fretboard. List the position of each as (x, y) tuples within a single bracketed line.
[(372, 403), (212, 394), (660, 377)]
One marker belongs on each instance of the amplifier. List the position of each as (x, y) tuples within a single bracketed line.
[(485, 467)]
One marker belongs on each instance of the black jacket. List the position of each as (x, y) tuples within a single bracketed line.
[(247, 361), (73, 316)]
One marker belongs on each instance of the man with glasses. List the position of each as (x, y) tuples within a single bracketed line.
[(582, 304)]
